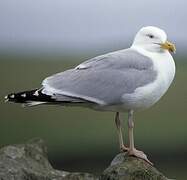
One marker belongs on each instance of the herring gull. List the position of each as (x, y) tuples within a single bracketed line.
[(127, 80)]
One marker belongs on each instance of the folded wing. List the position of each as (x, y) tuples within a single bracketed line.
[(104, 79)]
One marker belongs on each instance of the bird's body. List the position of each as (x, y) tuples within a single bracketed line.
[(145, 96), (122, 81)]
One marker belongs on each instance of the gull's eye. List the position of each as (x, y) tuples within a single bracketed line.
[(150, 36)]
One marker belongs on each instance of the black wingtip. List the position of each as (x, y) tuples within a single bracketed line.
[(27, 96), (9, 97), (16, 97)]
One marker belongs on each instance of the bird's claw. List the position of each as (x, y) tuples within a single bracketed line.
[(139, 154)]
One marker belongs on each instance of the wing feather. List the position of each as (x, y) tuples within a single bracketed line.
[(104, 79)]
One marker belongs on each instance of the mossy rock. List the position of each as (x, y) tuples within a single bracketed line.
[(124, 167)]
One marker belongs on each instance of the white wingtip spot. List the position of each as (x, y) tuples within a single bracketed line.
[(23, 95), (6, 99), (36, 93), (12, 96)]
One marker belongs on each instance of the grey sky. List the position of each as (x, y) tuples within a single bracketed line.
[(80, 24)]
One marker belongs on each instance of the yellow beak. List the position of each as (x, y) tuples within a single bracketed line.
[(169, 46)]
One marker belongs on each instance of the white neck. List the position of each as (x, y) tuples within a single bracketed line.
[(163, 62)]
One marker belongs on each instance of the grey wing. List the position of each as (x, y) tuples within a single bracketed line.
[(103, 81)]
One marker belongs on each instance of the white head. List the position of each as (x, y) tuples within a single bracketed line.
[(152, 39)]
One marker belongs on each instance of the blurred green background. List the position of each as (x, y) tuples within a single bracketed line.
[(40, 38), (80, 139)]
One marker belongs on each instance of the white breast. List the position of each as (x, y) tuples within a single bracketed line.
[(146, 96)]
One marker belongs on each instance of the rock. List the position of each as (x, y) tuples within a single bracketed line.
[(124, 167), (29, 162)]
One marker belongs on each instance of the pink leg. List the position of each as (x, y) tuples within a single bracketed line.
[(120, 135), (132, 151)]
